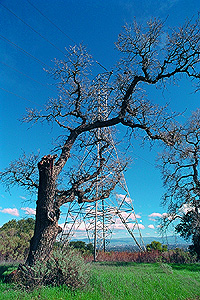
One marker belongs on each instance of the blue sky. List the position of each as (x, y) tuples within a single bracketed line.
[(24, 83)]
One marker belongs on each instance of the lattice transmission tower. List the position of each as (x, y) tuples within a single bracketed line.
[(98, 220)]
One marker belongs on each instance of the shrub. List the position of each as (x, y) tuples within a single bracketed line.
[(172, 256), (166, 268), (180, 256), (65, 267)]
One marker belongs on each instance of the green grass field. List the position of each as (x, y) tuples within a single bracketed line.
[(121, 281)]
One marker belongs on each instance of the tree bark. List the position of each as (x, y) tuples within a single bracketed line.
[(47, 213)]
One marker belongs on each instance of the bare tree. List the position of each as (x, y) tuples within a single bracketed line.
[(150, 55), (180, 169), (180, 165)]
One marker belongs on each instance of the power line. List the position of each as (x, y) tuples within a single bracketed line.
[(30, 55), (46, 86), (102, 66), (62, 31), (12, 93), (22, 50), (32, 28), (140, 157), (51, 22)]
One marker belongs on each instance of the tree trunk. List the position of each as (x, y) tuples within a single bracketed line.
[(47, 214)]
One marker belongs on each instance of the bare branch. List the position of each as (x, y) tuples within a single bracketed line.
[(102, 169), (180, 165), (22, 172)]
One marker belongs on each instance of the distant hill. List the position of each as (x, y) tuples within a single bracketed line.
[(128, 244), (147, 240)]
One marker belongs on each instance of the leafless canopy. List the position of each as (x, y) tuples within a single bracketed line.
[(150, 55), (22, 171), (180, 169), (89, 105)]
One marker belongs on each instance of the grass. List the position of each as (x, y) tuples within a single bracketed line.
[(115, 280)]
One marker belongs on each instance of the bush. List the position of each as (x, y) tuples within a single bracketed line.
[(182, 257), (65, 267), (166, 268), (172, 256)]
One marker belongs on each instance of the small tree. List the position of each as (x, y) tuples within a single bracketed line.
[(78, 245), (82, 246), (90, 247), (21, 226), (156, 246), (15, 237), (86, 104)]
